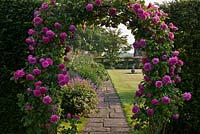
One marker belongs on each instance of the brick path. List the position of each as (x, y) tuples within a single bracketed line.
[(110, 119)]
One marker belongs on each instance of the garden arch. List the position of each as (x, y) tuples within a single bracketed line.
[(55, 24)]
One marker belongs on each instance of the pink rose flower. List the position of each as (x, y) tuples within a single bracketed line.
[(187, 96), (18, 74), (36, 71), (166, 79), (44, 5), (61, 66), (72, 28), (63, 35), (150, 111), (47, 99), (37, 21), (112, 11), (54, 118), (142, 43), (29, 77), (135, 109), (57, 25), (43, 89), (154, 102), (37, 93), (166, 100), (175, 116), (45, 64), (147, 67), (89, 7), (98, 2), (158, 84), (155, 60)]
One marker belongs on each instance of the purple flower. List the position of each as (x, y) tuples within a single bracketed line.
[(142, 43), (30, 41), (66, 59), (141, 87), (45, 39), (156, 19), (135, 109), (139, 93), (38, 83), (77, 117), (136, 44), (172, 69), (31, 59), (159, 84), (36, 71), (28, 107), (45, 29), (89, 7), (57, 25), (171, 35), (165, 100), (187, 96), (112, 11), (160, 39), (172, 61), (31, 48), (54, 107), (144, 60), (61, 66), (47, 125), (163, 26), (136, 6), (148, 95), (50, 61), (175, 116), (53, 2), (154, 102), (37, 93), (31, 32), (147, 67), (69, 116), (164, 57), (63, 35), (68, 48), (29, 77), (18, 74), (72, 28), (36, 13), (44, 5), (29, 90), (174, 28), (98, 2), (50, 34), (43, 89), (54, 118), (178, 79), (146, 78), (175, 53), (150, 111), (37, 21), (47, 99), (155, 60), (180, 63), (166, 79), (45, 64)]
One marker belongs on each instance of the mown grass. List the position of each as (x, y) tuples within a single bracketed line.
[(126, 84)]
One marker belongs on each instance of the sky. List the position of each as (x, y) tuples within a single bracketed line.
[(127, 32)]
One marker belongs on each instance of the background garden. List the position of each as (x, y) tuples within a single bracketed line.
[(94, 43)]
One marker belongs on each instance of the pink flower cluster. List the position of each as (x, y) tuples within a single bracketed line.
[(19, 74), (46, 62)]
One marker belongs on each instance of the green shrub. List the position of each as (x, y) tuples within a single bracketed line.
[(87, 68), (79, 97), (186, 15), (15, 19)]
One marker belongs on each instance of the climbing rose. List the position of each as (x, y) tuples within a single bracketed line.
[(165, 100), (139, 93), (47, 125), (166, 79), (61, 66), (54, 107), (30, 41), (43, 89), (44, 5), (31, 32), (54, 118), (136, 44), (66, 59), (154, 102), (136, 6), (178, 79), (45, 29), (187, 96), (180, 63), (45, 64), (147, 67), (29, 77), (142, 43), (63, 35), (57, 25), (50, 61), (146, 78), (47, 100), (50, 34), (135, 109), (141, 87), (164, 57), (45, 39), (36, 71), (150, 111), (175, 116), (155, 60), (156, 19), (171, 35), (163, 26), (37, 21), (72, 28), (69, 116), (112, 11), (148, 95), (28, 107), (89, 7), (36, 13), (37, 93), (18, 74), (172, 61), (38, 83), (159, 84), (31, 59), (53, 2), (175, 53), (68, 48), (98, 2), (144, 60)]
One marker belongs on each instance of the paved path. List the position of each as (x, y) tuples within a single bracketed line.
[(110, 119)]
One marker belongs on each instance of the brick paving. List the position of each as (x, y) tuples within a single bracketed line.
[(110, 118)]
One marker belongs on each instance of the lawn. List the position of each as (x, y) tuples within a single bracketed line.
[(125, 84)]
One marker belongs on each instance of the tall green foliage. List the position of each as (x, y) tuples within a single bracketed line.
[(186, 14), (15, 20)]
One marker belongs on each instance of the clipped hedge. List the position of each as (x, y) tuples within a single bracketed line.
[(15, 19), (186, 15)]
